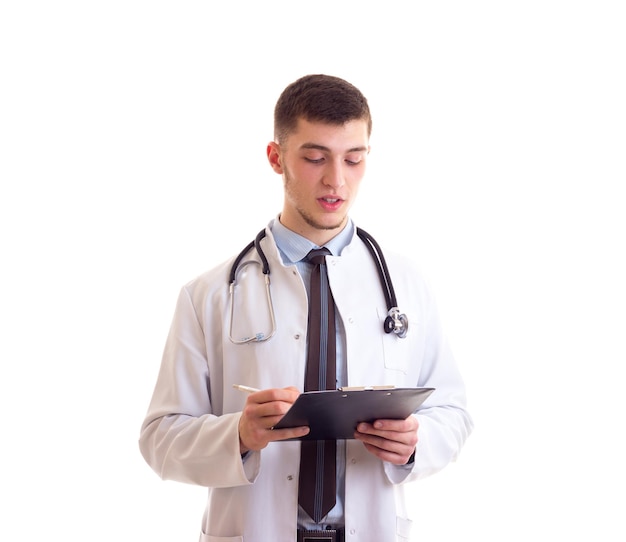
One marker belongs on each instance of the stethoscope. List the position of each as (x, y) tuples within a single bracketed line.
[(395, 321)]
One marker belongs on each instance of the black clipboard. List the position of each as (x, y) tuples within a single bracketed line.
[(334, 414)]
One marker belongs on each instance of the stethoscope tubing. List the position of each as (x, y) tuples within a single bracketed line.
[(381, 267), (395, 322)]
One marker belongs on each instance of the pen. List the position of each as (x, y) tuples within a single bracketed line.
[(245, 388)]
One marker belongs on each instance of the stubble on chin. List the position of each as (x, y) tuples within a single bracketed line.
[(318, 225)]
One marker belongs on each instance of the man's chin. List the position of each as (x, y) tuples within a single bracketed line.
[(327, 225)]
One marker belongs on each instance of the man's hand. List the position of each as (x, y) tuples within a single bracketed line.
[(393, 441), (262, 411)]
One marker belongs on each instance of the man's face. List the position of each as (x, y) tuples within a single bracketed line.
[(322, 166)]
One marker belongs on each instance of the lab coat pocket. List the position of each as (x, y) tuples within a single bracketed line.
[(403, 529), (209, 538), (399, 353)]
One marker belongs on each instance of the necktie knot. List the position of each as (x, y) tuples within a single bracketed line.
[(317, 256)]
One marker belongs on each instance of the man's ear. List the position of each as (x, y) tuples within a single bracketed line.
[(274, 157)]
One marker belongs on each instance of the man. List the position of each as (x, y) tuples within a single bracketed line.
[(201, 430)]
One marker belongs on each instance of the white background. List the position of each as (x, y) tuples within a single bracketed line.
[(132, 158)]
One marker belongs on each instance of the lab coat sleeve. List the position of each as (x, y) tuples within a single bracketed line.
[(182, 438), (444, 422), (444, 426)]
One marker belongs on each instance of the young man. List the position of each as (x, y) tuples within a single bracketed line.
[(201, 430)]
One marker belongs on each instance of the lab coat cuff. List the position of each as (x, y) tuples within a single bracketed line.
[(398, 473), (251, 464)]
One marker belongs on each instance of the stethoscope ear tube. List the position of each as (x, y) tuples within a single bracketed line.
[(257, 245), (235, 266)]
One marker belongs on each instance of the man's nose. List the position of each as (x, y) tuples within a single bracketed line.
[(335, 175)]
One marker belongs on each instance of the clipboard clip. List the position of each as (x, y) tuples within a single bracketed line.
[(366, 388)]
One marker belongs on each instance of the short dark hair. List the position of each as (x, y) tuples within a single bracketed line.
[(321, 98)]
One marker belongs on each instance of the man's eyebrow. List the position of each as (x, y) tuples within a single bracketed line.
[(317, 147)]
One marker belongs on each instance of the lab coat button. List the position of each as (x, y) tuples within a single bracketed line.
[(296, 336), (351, 320), (290, 477)]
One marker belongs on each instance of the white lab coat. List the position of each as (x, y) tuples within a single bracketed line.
[(190, 432)]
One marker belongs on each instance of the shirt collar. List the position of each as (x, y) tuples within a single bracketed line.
[(293, 247)]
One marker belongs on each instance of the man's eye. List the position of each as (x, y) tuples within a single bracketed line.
[(314, 160)]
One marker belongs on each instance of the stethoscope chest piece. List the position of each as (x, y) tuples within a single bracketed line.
[(396, 322)]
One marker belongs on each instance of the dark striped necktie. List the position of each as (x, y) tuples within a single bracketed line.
[(317, 486)]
